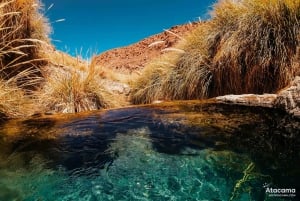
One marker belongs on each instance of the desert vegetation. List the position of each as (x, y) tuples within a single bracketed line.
[(70, 89), (34, 77), (24, 32), (248, 46)]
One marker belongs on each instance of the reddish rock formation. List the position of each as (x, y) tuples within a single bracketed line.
[(134, 57)]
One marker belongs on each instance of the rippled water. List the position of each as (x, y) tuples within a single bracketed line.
[(179, 151)]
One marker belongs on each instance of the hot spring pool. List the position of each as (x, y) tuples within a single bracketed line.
[(179, 151)]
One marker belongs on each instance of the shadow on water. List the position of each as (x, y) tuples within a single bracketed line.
[(82, 144)]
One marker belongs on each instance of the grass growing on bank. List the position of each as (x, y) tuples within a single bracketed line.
[(36, 78), (145, 89), (24, 31), (71, 89), (13, 101), (249, 46)]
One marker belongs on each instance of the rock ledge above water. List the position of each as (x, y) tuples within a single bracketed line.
[(287, 99)]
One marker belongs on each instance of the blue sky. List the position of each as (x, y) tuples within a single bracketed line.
[(94, 26)]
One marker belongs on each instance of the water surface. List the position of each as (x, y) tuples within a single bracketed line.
[(175, 151)]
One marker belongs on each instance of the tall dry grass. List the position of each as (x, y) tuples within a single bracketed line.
[(256, 54), (147, 88), (24, 33), (15, 101), (71, 89), (248, 46), (36, 78), (62, 59)]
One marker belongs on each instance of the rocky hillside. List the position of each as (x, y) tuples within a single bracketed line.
[(134, 57)]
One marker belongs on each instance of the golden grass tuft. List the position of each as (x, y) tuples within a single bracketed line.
[(147, 88), (69, 90), (24, 33), (36, 78), (256, 54), (61, 59), (249, 46), (10, 96), (15, 101)]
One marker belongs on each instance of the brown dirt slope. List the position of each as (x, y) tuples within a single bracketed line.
[(134, 57)]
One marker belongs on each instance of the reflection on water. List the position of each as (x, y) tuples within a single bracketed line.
[(179, 151)]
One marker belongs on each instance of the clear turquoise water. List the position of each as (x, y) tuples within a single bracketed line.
[(138, 173), (130, 155)]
